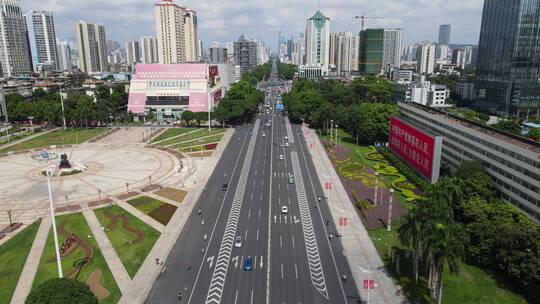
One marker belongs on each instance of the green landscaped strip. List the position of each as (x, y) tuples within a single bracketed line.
[(471, 285), (191, 137), (132, 245), (205, 141), (171, 133), (145, 204), (13, 255), (56, 138), (75, 223)]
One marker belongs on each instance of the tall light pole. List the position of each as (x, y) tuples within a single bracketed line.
[(44, 157), (63, 111), (389, 227), (31, 123), (331, 129)]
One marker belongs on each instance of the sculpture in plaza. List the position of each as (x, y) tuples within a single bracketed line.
[(64, 163)]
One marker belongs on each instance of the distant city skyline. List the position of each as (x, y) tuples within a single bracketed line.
[(225, 20)]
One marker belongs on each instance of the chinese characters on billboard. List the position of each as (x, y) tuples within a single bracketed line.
[(417, 148)]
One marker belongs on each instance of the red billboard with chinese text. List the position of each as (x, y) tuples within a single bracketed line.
[(418, 148)]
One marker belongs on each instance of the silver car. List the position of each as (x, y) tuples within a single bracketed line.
[(238, 242)]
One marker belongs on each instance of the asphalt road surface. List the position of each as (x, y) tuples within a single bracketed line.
[(293, 258)]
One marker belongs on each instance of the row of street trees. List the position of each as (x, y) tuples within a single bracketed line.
[(462, 216), (80, 109), (362, 107), (240, 104)]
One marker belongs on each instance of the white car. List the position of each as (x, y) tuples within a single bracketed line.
[(284, 209), (287, 144), (263, 135), (281, 157), (238, 242)]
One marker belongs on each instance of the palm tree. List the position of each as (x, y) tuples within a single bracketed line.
[(411, 234), (442, 246)]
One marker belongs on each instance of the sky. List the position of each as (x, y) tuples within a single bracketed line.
[(225, 20)]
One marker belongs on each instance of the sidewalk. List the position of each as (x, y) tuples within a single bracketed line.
[(142, 282), (118, 270), (24, 285), (363, 258)]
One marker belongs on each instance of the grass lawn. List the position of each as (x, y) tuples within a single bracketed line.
[(158, 210), (59, 137), (13, 255), (471, 285), (172, 132), (199, 144), (131, 238), (75, 223), (190, 139), (172, 194)]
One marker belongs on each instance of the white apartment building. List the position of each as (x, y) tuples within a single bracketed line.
[(64, 56), (45, 38), (425, 55), (133, 52), (415, 88), (149, 50), (15, 54), (176, 28), (393, 40), (91, 44), (344, 53)]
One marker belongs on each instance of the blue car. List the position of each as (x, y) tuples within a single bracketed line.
[(248, 264)]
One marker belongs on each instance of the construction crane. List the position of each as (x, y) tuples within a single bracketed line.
[(364, 17)]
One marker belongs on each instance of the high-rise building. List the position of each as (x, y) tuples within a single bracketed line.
[(508, 68), (245, 54), (425, 56), (318, 42), (45, 38), (176, 33), (15, 54), (200, 51), (444, 34), (262, 56), (218, 55), (112, 45), (133, 52), (64, 56), (230, 51), (344, 52), (91, 43), (442, 52), (149, 50), (297, 53), (393, 39), (458, 57), (371, 51)]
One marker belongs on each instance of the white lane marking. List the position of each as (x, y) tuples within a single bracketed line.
[(312, 250), (279, 186), (251, 297), (275, 218), (249, 213), (257, 234), (282, 271), (217, 283), (251, 195), (235, 259), (255, 172), (289, 200), (236, 297), (296, 271), (285, 219), (280, 242), (255, 263), (293, 241), (279, 200), (253, 183), (241, 261), (259, 213), (210, 260), (245, 235), (260, 197)]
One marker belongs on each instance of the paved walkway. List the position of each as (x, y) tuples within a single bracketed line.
[(24, 285), (142, 283), (18, 141), (358, 246), (143, 217), (118, 270)]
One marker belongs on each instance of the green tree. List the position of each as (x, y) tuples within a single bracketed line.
[(62, 291), (411, 235), (188, 117), (510, 126)]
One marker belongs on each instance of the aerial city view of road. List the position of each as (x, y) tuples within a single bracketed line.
[(176, 152), (263, 208)]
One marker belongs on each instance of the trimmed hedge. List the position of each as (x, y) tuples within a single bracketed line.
[(404, 169)]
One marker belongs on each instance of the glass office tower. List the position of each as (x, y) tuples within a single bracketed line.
[(371, 51), (508, 68)]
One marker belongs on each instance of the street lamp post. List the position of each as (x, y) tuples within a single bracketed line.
[(44, 157), (63, 111), (336, 134), (331, 129), (389, 228), (376, 188)]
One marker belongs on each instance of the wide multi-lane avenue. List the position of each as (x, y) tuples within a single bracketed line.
[(259, 232)]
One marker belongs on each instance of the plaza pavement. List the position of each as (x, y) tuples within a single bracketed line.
[(361, 254), (191, 180)]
